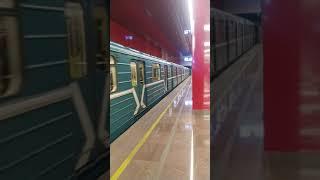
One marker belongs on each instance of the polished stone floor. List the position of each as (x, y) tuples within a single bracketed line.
[(247, 159), (177, 148)]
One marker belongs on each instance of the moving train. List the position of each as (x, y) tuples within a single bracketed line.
[(137, 82), (232, 36), (53, 75), (230, 78)]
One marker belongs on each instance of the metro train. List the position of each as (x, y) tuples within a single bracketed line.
[(137, 82), (231, 80), (232, 36), (53, 73)]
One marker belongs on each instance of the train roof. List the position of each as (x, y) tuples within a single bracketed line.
[(123, 49), (229, 15)]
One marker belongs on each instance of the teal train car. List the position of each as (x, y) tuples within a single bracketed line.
[(137, 82), (53, 89)]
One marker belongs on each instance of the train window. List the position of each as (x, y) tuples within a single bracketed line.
[(133, 66), (218, 31), (101, 36), (6, 4), (225, 24), (10, 70), (141, 73), (234, 30), (113, 75), (76, 40), (176, 73), (156, 72)]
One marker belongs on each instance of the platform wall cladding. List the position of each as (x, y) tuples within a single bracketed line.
[(120, 34), (138, 81), (291, 75), (49, 110)]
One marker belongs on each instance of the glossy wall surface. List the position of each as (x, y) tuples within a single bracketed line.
[(291, 75), (201, 56)]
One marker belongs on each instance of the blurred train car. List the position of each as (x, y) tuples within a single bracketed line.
[(138, 82), (233, 37), (53, 73)]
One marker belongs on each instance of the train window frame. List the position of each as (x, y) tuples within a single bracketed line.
[(156, 72), (176, 73), (113, 74), (76, 47), (134, 74), (7, 4), (100, 21), (10, 59), (219, 31), (141, 73)]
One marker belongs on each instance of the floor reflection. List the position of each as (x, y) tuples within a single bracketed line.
[(177, 148), (245, 158)]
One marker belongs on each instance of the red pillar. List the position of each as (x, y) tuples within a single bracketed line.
[(291, 75), (201, 59)]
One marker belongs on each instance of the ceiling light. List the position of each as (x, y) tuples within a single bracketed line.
[(188, 59), (206, 27), (190, 8), (206, 44), (187, 31)]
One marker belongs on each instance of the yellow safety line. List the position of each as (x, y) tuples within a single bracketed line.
[(126, 162)]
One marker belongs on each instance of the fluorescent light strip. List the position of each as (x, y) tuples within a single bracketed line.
[(190, 8), (206, 27), (192, 157)]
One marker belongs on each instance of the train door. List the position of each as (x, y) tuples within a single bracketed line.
[(104, 65), (91, 81), (244, 38), (166, 76), (79, 58), (180, 75), (172, 77), (169, 77), (177, 76), (236, 37), (138, 81)]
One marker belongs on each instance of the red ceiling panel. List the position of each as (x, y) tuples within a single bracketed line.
[(158, 20), (118, 33)]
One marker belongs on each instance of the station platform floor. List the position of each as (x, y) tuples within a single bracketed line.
[(170, 142), (247, 159)]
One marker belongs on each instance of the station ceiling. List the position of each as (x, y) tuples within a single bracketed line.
[(163, 21)]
